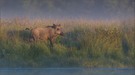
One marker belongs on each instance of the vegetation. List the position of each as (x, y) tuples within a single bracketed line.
[(85, 44)]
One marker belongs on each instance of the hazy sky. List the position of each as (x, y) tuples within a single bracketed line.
[(90, 9)]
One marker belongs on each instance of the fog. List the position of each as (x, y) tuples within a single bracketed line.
[(89, 9)]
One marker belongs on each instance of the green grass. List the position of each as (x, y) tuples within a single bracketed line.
[(85, 44)]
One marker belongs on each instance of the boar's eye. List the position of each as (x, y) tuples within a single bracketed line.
[(58, 29)]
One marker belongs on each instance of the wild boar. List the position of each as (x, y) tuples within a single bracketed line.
[(47, 33)]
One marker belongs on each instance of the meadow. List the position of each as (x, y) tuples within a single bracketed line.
[(86, 43)]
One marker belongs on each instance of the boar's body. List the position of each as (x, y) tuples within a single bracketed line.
[(47, 33)]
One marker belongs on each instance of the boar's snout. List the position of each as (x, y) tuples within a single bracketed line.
[(62, 34)]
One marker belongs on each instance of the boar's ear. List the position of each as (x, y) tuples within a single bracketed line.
[(54, 26), (59, 25)]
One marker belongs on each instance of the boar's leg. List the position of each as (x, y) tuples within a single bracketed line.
[(51, 42)]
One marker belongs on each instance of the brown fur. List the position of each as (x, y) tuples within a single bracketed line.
[(47, 33)]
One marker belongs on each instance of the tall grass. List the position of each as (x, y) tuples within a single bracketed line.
[(85, 44)]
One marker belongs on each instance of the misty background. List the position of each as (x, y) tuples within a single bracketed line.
[(89, 9)]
